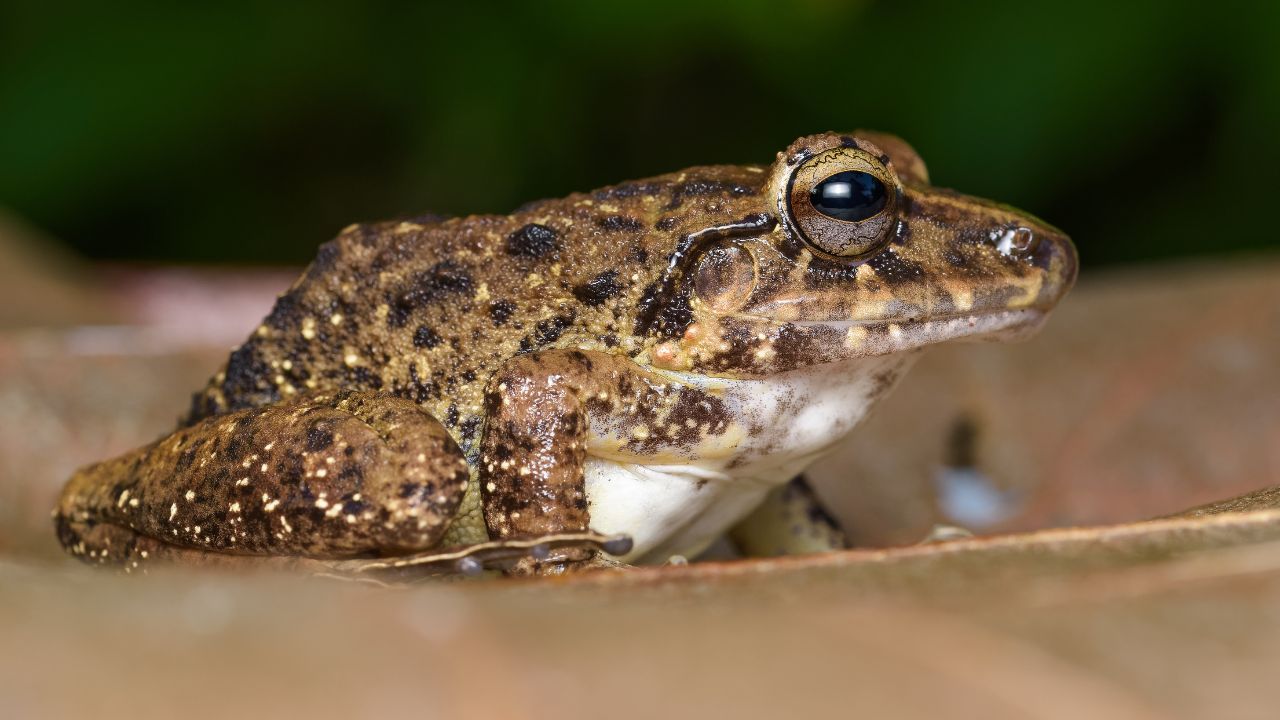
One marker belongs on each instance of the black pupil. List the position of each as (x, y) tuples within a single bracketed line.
[(850, 196)]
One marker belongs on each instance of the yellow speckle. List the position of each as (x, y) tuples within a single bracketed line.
[(854, 337), (351, 359), (335, 319), (173, 510), (191, 495), (309, 328), (235, 507)]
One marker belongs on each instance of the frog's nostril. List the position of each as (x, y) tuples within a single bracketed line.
[(1017, 240)]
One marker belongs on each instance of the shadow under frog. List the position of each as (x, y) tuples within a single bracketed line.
[(631, 372)]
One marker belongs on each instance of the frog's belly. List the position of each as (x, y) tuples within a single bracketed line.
[(667, 509), (681, 508)]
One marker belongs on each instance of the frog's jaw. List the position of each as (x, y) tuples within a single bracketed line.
[(756, 347)]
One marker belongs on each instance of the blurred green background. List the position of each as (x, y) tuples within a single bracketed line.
[(242, 132)]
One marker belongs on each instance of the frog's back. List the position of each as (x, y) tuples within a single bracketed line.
[(428, 310)]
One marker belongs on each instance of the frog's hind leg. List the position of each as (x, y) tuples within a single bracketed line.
[(790, 521), (326, 475)]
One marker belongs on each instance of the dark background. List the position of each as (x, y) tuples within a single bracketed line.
[(249, 133)]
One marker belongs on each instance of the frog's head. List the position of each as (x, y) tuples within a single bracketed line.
[(855, 254)]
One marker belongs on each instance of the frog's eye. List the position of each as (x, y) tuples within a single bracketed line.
[(843, 202), (850, 196)]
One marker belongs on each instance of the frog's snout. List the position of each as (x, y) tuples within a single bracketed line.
[(1019, 240), (1041, 245)]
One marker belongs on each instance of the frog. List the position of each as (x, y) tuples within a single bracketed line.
[(614, 378)]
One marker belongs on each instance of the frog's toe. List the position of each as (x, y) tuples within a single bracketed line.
[(543, 555), (618, 545)]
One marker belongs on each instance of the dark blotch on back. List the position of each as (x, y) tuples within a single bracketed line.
[(441, 280), (694, 188), (319, 437), (546, 332), (288, 311), (620, 223), (598, 289), (532, 241), (501, 311), (247, 382), (425, 337), (326, 257)]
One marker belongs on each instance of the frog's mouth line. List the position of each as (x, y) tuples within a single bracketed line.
[(1033, 314), (896, 335)]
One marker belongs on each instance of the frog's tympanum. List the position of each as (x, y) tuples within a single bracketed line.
[(621, 376)]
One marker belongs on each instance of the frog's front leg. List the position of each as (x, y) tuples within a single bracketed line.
[(790, 521), (539, 408), (326, 475)]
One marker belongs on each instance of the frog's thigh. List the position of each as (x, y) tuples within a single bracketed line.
[(790, 521), (325, 475), (535, 440)]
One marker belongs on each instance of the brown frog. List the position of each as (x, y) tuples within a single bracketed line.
[(629, 372)]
